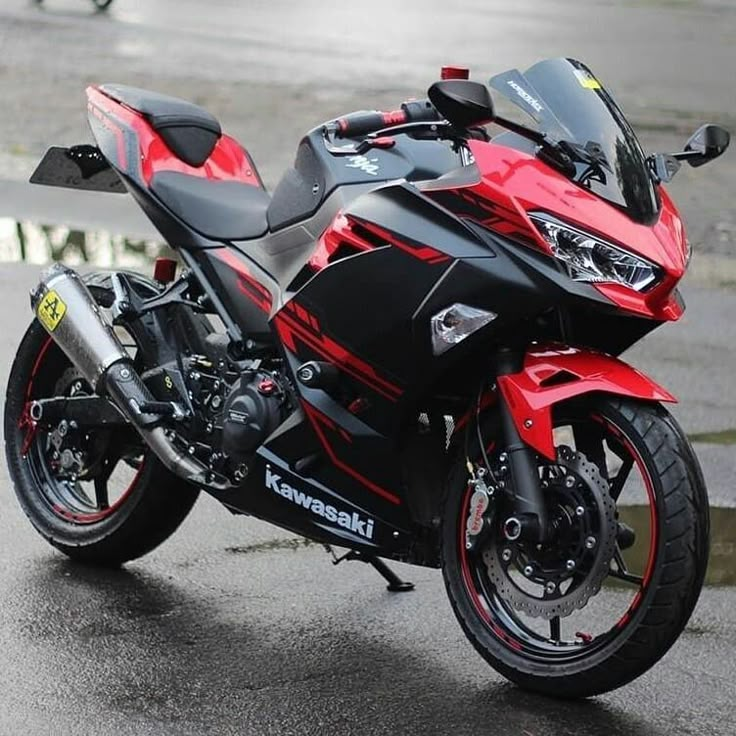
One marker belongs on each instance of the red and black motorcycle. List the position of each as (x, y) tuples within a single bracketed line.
[(406, 350)]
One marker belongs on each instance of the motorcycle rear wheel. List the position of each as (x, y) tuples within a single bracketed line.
[(141, 503), (661, 597)]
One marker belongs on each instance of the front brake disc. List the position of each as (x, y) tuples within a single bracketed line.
[(560, 577)]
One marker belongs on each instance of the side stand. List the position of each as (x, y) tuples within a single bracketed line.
[(395, 583)]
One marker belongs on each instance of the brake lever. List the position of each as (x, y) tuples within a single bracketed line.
[(436, 128)]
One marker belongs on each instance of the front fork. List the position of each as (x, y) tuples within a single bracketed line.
[(530, 519)]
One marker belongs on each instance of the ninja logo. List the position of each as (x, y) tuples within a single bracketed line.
[(365, 164), (352, 522)]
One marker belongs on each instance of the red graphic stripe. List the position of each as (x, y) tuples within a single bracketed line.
[(423, 252), (289, 329), (318, 419), (247, 283)]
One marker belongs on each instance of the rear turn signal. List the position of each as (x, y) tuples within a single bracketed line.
[(453, 324)]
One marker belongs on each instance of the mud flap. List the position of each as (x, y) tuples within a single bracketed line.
[(78, 167)]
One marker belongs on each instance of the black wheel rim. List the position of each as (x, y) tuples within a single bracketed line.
[(560, 640), (86, 500)]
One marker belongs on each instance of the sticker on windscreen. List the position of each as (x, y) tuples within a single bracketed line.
[(587, 80)]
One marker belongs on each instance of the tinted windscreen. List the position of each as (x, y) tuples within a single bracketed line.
[(569, 104)]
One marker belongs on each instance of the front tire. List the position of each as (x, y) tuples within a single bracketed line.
[(669, 586)]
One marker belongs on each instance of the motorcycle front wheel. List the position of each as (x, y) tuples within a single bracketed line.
[(545, 616)]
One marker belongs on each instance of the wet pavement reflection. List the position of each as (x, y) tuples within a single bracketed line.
[(157, 655), (29, 242), (722, 561)]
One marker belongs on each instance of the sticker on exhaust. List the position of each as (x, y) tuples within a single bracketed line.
[(51, 310)]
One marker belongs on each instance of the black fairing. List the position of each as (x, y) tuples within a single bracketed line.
[(318, 172), (376, 307)]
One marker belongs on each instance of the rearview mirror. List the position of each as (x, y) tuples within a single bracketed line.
[(462, 102), (706, 143)]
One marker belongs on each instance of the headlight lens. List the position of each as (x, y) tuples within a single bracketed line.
[(587, 258), (453, 324)]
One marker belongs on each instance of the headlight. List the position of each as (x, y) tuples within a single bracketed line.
[(588, 258), (453, 324)]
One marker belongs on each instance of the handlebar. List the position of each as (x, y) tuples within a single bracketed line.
[(365, 122)]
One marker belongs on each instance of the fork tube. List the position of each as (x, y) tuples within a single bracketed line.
[(529, 498)]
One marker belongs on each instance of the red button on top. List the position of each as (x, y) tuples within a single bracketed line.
[(455, 72)]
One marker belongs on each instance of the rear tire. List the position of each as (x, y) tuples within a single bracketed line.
[(667, 597), (153, 506)]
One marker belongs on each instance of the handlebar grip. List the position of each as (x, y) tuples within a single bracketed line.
[(420, 111), (364, 122)]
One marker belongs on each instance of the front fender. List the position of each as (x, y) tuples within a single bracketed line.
[(554, 374)]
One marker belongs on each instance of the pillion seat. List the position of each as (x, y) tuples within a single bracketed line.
[(187, 129)]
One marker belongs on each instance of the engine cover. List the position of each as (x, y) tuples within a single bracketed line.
[(252, 412)]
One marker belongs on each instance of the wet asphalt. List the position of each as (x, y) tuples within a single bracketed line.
[(234, 627)]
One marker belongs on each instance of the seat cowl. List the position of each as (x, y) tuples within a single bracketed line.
[(187, 129), (219, 210), (162, 110)]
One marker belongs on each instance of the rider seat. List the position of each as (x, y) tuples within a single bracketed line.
[(219, 210), (187, 129)]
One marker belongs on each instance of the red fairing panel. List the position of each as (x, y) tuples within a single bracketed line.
[(514, 183), (552, 375), (227, 162), (340, 232)]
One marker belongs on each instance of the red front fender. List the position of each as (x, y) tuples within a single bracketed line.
[(551, 375)]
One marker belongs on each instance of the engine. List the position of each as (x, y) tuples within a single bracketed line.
[(233, 409), (253, 409)]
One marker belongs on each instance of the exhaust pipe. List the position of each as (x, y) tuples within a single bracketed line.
[(74, 320)]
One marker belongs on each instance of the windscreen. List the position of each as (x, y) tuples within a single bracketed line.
[(569, 104)]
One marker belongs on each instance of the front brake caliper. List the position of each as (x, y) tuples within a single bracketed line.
[(478, 520)]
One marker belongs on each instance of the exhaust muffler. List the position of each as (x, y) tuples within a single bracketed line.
[(68, 312)]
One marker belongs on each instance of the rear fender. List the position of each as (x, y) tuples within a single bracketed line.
[(555, 374)]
